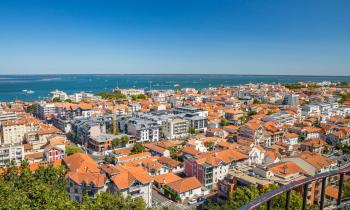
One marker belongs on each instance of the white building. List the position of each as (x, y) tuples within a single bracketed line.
[(58, 94), (45, 110), (175, 128), (143, 130), (11, 153), (130, 92)]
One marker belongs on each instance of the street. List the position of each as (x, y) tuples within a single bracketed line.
[(159, 200)]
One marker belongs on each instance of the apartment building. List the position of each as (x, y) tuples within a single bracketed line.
[(175, 128), (256, 132), (13, 132), (45, 111), (10, 153), (58, 94), (210, 167), (129, 92), (144, 130), (197, 117)]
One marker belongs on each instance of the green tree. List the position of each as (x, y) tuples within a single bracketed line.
[(72, 150), (31, 108), (138, 148), (111, 96), (46, 189), (256, 101), (110, 158), (223, 122), (68, 100), (125, 140), (174, 152), (251, 113), (116, 142), (347, 189), (109, 201), (209, 145), (56, 100), (140, 96), (193, 131)]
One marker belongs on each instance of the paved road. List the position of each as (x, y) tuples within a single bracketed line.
[(159, 200)]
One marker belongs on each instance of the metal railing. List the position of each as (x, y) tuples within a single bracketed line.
[(304, 183)]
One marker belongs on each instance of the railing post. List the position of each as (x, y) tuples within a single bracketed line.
[(305, 189), (288, 200), (340, 189), (323, 187), (269, 205)]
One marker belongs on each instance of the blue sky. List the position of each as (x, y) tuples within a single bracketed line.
[(307, 37)]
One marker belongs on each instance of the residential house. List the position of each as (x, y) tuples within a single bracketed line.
[(186, 188)]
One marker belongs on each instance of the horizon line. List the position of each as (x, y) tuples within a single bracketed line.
[(298, 75)]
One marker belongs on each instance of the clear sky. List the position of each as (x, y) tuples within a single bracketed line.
[(307, 37)]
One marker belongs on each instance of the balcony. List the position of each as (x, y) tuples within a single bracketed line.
[(267, 198)]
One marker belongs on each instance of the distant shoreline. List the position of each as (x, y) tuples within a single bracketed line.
[(40, 85)]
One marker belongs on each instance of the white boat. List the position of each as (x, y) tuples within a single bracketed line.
[(24, 90), (30, 92)]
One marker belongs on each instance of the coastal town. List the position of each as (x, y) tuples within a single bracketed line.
[(184, 148)]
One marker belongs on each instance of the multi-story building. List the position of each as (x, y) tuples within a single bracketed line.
[(175, 128), (84, 128), (197, 117), (144, 130), (234, 116), (10, 153), (130, 92), (55, 149), (134, 182), (45, 110), (291, 99), (84, 177), (256, 132), (102, 142), (13, 132), (280, 118), (6, 116), (58, 94), (210, 167), (310, 110)]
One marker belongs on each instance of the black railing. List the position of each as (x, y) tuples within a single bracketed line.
[(304, 183)]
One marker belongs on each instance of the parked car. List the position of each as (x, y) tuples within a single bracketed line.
[(201, 199), (192, 201)]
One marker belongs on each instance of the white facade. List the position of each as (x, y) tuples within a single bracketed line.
[(175, 128), (11, 153)]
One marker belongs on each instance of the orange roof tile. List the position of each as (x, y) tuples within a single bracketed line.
[(80, 162), (184, 185), (166, 178)]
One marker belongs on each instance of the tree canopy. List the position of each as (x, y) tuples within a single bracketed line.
[(56, 100), (223, 122), (70, 150), (111, 96), (116, 142), (138, 148), (140, 96), (125, 140)]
